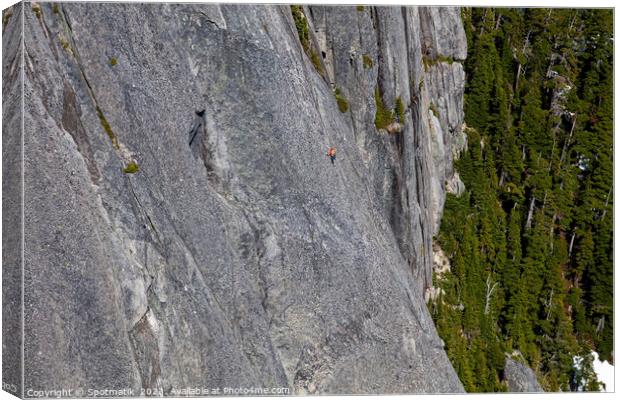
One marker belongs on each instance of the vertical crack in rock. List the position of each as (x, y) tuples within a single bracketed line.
[(205, 146), (72, 123)]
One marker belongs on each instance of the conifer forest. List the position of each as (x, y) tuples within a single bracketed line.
[(530, 241)]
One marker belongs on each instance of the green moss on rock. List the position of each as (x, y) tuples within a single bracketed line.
[(131, 168), (316, 61), (63, 42), (399, 109), (343, 104), (302, 26), (428, 61), (383, 116), (107, 128), (37, 10), (433, 108), (304, 37), (367, 61)]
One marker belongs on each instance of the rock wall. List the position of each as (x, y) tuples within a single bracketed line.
[(11, 202), (182, 224), (520, 377)]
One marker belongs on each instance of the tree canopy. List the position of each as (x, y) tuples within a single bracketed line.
[(531, 240)]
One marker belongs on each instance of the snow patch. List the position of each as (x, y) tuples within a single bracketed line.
[(602, 369), (604, 372)]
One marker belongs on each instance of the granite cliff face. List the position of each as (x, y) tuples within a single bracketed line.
[(182, 224), (520, 377)]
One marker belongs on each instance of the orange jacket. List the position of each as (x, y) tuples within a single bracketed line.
[(331, 152)]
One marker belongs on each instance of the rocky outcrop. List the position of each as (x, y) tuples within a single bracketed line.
[(520, 378), (182, 224)]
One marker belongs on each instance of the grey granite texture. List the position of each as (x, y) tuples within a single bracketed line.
[(244, 259), (520, 377)]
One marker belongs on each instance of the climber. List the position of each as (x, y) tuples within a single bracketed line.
[(331, 153)]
